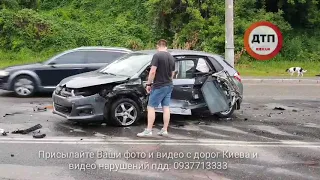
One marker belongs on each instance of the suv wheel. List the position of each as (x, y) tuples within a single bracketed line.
[(23, 86), (124, 112)]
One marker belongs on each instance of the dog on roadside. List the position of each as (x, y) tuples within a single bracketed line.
[(298, 70)]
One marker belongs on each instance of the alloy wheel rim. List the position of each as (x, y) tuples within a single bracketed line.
[(227, 111), (24, 87), (126, 113)]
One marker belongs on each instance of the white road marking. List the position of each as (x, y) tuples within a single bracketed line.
[(227, 128), (270, 129), (279, 84), (160, 143), (199, 142)]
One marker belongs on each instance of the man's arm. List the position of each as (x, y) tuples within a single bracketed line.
[(152, 74), (173, 74), (173, 67), (153, 70)]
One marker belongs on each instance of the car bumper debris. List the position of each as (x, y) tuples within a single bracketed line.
[(26, 131)]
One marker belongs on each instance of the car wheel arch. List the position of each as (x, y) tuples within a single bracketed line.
[(132, 96), (33, 75)]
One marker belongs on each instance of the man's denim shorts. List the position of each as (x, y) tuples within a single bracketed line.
[(160, 96)]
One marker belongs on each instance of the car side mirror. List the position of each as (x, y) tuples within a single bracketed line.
[(52, 64)]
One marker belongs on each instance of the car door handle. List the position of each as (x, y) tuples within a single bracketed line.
[(185, 87)]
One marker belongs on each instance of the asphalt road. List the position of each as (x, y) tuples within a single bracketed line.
[(257, 143)]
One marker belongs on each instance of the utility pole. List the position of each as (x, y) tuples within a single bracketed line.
[(229, 48)]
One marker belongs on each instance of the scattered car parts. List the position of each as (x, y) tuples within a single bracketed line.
[(11, 114), (27, 131), (279, 108), (39, 135), (3, 132)]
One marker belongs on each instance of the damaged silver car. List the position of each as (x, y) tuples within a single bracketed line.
[(116, 93)]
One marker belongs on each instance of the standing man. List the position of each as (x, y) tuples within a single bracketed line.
[(161, 74)]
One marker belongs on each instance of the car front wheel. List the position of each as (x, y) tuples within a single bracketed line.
[(124, 112), (23, 86)]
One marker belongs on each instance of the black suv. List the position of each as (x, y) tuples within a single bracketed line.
[(25, 80)]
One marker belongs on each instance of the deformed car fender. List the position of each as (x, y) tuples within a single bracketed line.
[(133, 91)]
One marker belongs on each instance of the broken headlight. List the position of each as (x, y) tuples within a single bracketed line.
[(58, 89), (84, 92)]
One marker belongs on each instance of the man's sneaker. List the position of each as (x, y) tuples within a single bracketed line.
[(162, 132), (146, 132)]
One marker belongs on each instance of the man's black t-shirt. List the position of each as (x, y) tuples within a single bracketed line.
[(164, 62)]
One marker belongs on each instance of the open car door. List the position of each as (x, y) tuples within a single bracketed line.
[(214, 96)]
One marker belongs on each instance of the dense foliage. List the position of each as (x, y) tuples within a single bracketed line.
[(52, 26)]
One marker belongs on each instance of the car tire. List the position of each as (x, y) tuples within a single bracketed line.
[(123, 110), (24, 86), (228, 113)]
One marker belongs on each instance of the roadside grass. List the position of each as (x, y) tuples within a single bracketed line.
[(276, 68), (245, 67), (22, 57)]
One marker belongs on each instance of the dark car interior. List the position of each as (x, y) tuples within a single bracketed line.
[(187, 68)]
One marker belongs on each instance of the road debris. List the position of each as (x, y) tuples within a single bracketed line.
[(201, 123), (39, 135), (49, 107), (279, 108), (11, 114), (12, 155), (246, 119), (38, 103), (40, 109), (180, 125), (225, 119), (294, 110), (26, 131), (3, 132)]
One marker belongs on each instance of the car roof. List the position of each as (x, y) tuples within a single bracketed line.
[(177, 52), (103, 48)]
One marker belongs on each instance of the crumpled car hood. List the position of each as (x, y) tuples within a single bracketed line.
[(89, 79)]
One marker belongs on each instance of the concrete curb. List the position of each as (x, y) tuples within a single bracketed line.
[(282, 81)]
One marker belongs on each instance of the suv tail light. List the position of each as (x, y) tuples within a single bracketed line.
[(237, 76)]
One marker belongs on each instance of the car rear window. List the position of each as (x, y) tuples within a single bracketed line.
[(216, 64), (224, 61)]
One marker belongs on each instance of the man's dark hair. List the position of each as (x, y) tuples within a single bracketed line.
[(162, 43)]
